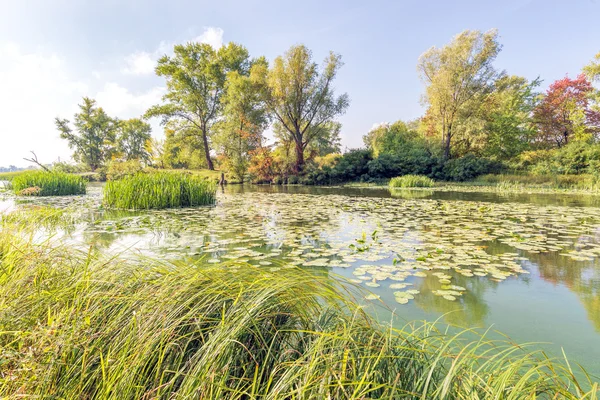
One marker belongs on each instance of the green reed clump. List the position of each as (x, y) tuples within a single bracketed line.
[(83, 326), (409, 181), (48, 183), (158, 190)]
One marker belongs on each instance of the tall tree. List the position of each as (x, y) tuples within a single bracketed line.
[(458, 77), (566, 112), (592, 70), (133, 139), (196, 76), (301, 97), (94, 136), (244, 119)]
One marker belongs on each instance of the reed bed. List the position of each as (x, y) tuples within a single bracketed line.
[(81, 325), (159, 190), (44, 183), (409, 181)]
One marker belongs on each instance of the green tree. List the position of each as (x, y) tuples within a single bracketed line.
[(244, 119), (196, 76), (301, 97), (458, 76), (182, 147), (592, 70), (133, 139), (94, 136)]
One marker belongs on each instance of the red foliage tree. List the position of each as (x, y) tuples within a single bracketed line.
[(565, 109)]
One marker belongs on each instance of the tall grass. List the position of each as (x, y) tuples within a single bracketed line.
[(83, 326), (44, 183), (159, 190), (408, 181)]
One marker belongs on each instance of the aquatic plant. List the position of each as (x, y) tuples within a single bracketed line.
[(44, 183), (408, 181), (90, 326), (158, 190)]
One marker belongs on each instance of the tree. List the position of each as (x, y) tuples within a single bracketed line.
[(393, 138), (301, 97), (592, 70), (196, 76), (458, 76), (507, 114), (182, 147), (133, 139), (244, 119), (565, 113), (93, 142)]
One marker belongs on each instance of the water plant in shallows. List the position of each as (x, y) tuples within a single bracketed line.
[(48, 183), (157, 190), (409, 181)]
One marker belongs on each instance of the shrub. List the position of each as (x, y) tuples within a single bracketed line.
[(293, 180), (351, 166), (120, 169), (159, 190), (469, 167), (408, 181), (48, 183)]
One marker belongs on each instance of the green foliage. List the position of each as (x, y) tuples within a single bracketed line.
[(158, 190), (301, 99), (133, 140), (48, 183), (196, 76), (409, 181), (93, 326), (469, 167), (459, 76), (93, 141), (352, 165), (120, 169)]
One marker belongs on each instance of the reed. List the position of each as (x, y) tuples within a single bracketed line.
[(157, 190), (44, 183), (81, 325), (409, 181)]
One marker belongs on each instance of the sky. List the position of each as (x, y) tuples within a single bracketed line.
[(54, 52)]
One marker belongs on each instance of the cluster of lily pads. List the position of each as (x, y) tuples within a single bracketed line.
[(380, 242)]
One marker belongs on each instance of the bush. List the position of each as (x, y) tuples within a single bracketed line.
[(293, 180), (351, 166), (408, 181), (159, 190), (48, 184), (120, 169), (469, 167)]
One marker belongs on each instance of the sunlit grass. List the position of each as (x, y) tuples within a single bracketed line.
[(44, 183), (157, 190)]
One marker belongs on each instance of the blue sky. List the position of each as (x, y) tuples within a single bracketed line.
[(53, 52)]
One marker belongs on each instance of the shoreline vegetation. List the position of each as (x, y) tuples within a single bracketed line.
[(82, 324)]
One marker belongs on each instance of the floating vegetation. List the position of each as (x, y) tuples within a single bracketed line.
[(412, 181), (159, 190), (44, 183)]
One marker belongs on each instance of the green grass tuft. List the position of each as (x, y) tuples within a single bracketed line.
[(44, 183), (408, 181), (159, 190)]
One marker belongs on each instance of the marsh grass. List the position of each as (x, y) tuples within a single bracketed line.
[(44, 183), (157, 190), (409, 181), (583, 182), (80, 325)]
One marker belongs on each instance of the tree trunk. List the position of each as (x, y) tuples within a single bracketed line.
[(299, 156), (209, 163), (447, 144)]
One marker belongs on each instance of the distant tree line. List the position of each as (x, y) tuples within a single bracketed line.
[(220, 102)]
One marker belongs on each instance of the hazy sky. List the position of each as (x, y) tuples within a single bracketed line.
[(53, 52)]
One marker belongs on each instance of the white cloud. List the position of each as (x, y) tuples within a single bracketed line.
[(377, 125), (118, 101), (140, 63), (35, 88), (212, 36), (143, 62)]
